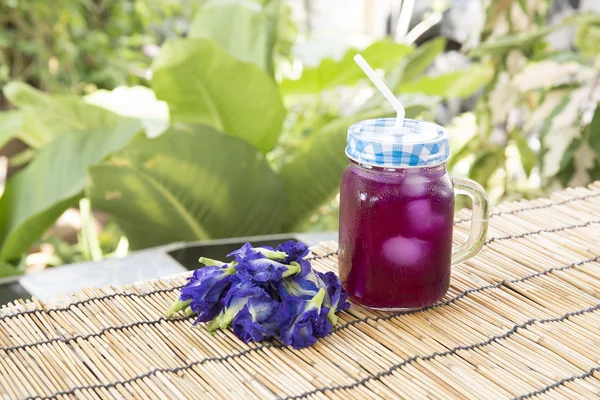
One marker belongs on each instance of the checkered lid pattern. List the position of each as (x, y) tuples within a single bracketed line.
[(417, 144)]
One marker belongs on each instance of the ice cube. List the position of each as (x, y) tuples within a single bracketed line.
[(422, 220), (407, 252), (417, 210), (416, 186)]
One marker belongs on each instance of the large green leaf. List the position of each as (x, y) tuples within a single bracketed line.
[(313, 176), (458, 84), (244, 28), (10, 125), (420, 59), (38, 195), (8, 270), (190, 183), (48, 116), (330, 73), (203, 84)]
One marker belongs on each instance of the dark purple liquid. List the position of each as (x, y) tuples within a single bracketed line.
[(395, 239)]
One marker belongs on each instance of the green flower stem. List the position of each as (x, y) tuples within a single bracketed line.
[(211, 262), (332, 317), (293, 269), (272, 255), (317, 301), (230, 270), (214, 324), (176, 307), (189, 312)]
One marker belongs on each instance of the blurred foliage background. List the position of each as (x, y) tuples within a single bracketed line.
[(143, 123), (77, 46)]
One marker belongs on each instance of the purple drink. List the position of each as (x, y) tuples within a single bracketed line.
[(396, 215), (395, 235)]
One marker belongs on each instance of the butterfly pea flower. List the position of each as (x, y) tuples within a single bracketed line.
[(261, 269), (245, 293), (256, 320), (204, 291), (301, 322), (265, 293), (247, 252), (336, 298), (303, 287), (294, 251)]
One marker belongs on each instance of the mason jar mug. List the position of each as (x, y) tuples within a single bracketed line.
[(397, 214)]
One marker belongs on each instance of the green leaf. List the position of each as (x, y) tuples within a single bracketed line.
[(7, 270), (313, 176), (48, 116), (203, 84), (594, 131), (595, 171), (499, 46), (22, 158), (330, 73), (10, 124), (566, 168), (528, 156), (485, 165), (559, 127), (588, 39), (38, 195), (243, 28), (420, 59), (458, 84), (556, 111), (190, 183)]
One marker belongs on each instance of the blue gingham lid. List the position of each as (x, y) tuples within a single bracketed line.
[(417, 144)]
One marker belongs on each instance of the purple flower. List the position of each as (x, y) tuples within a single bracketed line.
[(206, 284), (247, 252), (256, 321), (301, 322), (264, 293), (337, 298), (204, 311), (204, 291), (260, 268), (241, 294), (294, 251), (301, 287), (263, 269)]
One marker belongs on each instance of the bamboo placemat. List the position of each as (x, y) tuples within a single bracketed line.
[(520, 320)]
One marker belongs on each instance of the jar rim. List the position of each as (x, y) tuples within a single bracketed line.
[(378, 142), (360, 162)]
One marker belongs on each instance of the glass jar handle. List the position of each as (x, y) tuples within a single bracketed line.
[(479, 219)]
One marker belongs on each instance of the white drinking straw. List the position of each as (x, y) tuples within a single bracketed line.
[(383, 89)]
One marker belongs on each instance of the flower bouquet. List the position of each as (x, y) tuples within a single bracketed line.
[(264, 293)]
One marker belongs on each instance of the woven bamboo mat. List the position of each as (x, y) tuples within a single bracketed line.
[(520, 320)]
